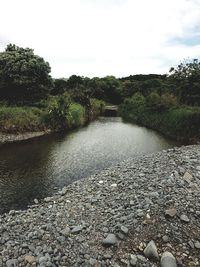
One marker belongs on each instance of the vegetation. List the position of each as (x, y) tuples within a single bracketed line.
[(32, 100)]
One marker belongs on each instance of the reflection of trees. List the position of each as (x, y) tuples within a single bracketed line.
[(25, 171)]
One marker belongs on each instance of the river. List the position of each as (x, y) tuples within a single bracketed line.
[(38, 167)]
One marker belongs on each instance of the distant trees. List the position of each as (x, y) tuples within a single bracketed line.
[(24, 76)]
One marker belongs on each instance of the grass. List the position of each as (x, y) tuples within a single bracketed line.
[(180, 123)]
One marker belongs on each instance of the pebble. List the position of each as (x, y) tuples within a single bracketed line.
[(168, 260), (184, 218), (151, 251), (91, 223), (171, 212), (110, 240)]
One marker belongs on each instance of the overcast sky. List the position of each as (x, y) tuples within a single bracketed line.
[(104, 37)]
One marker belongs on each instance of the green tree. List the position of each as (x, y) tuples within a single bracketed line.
[(186, 78), (24, 76)]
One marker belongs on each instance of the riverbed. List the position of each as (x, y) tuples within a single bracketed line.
[(39, 167)]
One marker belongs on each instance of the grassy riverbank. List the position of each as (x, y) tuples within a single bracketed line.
[(179, 123), (54, 114)]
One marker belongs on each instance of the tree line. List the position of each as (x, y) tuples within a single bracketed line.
[(25, 79)]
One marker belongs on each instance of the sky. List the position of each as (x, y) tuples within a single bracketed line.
[(96, 38)]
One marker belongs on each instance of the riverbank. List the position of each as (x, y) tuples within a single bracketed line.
[(18, 123), (109, 218), (10, 138), (179, 123)]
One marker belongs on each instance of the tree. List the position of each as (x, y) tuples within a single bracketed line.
[(186, 77), (60, 86), (24, 76)]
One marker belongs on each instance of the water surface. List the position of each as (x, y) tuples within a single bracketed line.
[(38, 167)]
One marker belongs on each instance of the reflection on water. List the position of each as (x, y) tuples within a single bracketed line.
[(36, 168)]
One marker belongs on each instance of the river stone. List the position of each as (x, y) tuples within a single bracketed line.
[(12, 263), (110, 240), (29, 259), (124, 229), (151, 251), (197, 245), (171, 212), (168, 260), (187, 177), (184, 218), (133, 260), (76, 229)]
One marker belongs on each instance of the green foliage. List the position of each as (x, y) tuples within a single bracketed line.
[(97, 108), (186, 78), (154, 101), (20, 119), (24, 77), (58, 109), (168, 101), (76, 116), (60, 86), (133, 107)]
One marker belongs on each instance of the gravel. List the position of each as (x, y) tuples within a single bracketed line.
[(111, 218)]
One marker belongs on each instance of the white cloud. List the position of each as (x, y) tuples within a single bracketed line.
[(103, 37)]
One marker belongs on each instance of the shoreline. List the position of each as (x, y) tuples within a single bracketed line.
[(6, 138), (154, 197)]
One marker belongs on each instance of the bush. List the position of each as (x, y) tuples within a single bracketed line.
[(168, 101), (154, 101), (57, 110), (21, 119), (76, 116)]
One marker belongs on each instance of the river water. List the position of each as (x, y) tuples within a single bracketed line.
[(38, 167)]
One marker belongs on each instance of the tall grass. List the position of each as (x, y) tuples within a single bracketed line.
[(180, 123), (20, 119)]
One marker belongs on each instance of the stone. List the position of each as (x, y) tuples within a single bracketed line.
[(66, 231), (171, 212), (76, 229), (110, 240), (184, 218), (165, 238), (197, 244), (187, 177), (29, 259), (124, 230), (133, 260), (168, 260), (151, 251), (36, 201), (12, 263)]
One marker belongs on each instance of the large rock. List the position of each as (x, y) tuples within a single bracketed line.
[(151, 251), (168, 260)]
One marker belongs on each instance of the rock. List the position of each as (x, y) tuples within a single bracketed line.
[(110, 240), (12, 263), (151, 251), (191, 244), (184, 218), (133, 260), (197, 244), (76, 229), (36, 201), (124, 230), (168, 260), (171, 212), (187, 177), (29, 259), (66, 231), (165, 238)]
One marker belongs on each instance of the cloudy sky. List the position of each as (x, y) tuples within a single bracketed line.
[(104, 37)]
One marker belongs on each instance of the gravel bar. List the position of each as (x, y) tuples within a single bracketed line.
[(144, 212)]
